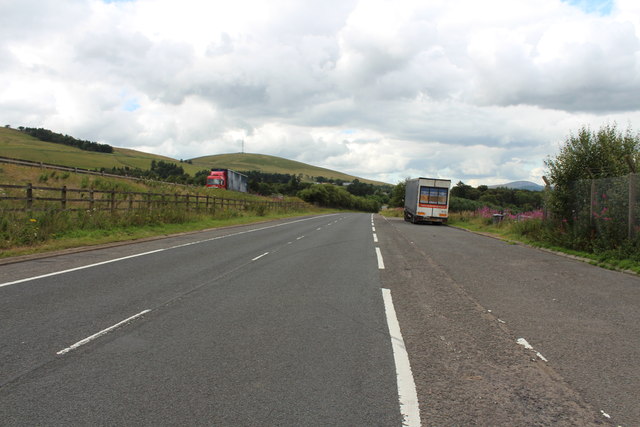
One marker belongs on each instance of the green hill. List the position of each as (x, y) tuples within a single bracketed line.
[(18, 145), (270, 164)]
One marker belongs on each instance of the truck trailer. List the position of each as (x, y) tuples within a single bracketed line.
[(427, 200), (227, 179)]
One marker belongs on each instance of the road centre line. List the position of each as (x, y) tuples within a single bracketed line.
[(380, 260), (260, 256), (375, 238), (407, 395), (101, 333), (55, 273)]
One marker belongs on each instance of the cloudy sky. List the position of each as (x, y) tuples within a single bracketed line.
[(478, 91)]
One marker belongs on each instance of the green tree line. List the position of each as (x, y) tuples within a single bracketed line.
[(58, 138)]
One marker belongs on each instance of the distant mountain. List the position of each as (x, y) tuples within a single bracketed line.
[(520, 185)]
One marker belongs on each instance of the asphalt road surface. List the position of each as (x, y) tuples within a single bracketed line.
[(284, 323), (274, 324)]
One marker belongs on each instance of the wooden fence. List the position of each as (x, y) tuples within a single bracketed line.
[(18, 198)]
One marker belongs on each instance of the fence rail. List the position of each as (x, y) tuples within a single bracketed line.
[(21, 198), (42, 165)]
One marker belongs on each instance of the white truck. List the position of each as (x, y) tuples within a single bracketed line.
[(427, 200)]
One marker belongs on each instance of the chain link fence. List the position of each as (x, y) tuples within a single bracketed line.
[(606, 210)]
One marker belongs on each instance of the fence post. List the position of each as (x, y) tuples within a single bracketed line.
[(632, 205), (63, 197), (592, 202), (29, 196), (113, 201), (91, 199)]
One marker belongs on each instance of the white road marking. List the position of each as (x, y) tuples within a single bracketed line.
[(375, 238), (55, 273), (605, 414), (407, 395), (373, 229), (101, 333), (523, 342), (380, 260), (260, 256), (301, 237)]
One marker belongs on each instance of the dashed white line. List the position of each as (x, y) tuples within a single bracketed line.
[(101, 333), (373, 229), (380, 260), (375, 238), (260, 256), (301, 237), (28, 279), (407, 395)]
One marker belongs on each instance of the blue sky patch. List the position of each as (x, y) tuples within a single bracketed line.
[(601, 7), (131, 105)]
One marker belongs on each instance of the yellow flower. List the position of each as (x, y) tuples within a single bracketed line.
[(33, 220)]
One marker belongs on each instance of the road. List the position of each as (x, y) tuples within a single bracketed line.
[(274, 324), (286, 323)]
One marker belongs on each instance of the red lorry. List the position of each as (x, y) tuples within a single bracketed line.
[(227, 179)]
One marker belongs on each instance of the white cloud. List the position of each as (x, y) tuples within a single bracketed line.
[(475, 91)]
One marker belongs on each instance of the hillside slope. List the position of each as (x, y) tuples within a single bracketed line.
[(270, 164), (18, 145)]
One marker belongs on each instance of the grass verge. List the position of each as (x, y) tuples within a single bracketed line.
[(75, 238)]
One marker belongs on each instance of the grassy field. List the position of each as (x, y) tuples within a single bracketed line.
[(270, 164), (18, 145)]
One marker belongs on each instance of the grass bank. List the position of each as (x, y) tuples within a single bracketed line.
[(51, 234)]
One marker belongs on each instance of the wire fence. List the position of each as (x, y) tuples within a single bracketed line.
[(607, 209)]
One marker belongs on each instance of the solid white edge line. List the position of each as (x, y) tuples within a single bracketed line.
[(407, 395), (80, 268), (101, 333), (380, 260), (55, 273), (260, 256)]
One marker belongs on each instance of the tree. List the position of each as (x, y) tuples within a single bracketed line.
[(589, 155), (397, 195)]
